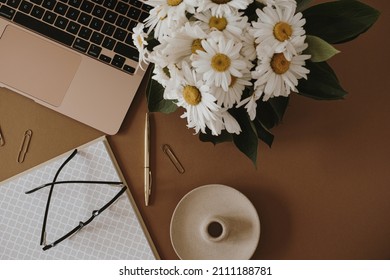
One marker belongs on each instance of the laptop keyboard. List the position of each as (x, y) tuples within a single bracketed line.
[(101, 29)]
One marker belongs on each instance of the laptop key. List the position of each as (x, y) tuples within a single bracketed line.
[(49, 17), (105, 58), (44, 29), (126, 51), (81, 45), (60, 8), (7, 12), (122, 22), (146, 7), (99, 11), (129, 69), (108, 43), (85, 33), (136, 3), (87, 6), (61, 22), (111, 16), (96, 24), (108, 29), (73, 27), (110, 3), (84, 19), (49, 4), (143, 16), (26, 7), (94, 50), (75, 3), (118, 61), (72, 13), (13, 3), (122, 8), (134, 13), (37, 12), (97, 38), (120, 34)]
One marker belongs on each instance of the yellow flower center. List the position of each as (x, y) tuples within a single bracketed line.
[(218, 23), (166, 71), (220, 62), (197, 45), (279, 63), (220, 1), (140, 40), (192, 95), (174, 2), (282, 31)]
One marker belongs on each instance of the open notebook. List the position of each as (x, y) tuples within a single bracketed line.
[(117, 233)]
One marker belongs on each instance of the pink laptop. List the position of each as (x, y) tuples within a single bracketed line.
[(73, 56)]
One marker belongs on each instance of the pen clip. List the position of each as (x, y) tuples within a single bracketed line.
[(24, 146), (150, 183)]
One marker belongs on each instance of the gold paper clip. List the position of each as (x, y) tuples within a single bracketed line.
[(2, 141), (24, 146), (171, 155)]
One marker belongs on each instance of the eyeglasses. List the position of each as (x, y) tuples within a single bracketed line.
[(81, 224)]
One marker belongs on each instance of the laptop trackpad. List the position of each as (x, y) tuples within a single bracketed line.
[(36, 67)]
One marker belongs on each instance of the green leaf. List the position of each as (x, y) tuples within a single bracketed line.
[(339, 21), (321, 83), (270, 113), (319, 49), (263, 133), (208, 137), (250, 11), (155, 98), (279, 106), (302, 4), (247, 141)]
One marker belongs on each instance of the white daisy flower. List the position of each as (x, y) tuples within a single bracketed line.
[(233, 95), (161, 75), (278, 75), (174, 10), (140, 43), (157, 21), (276, 30), (167, 77), (230, 25), (195, 97), (174, 83), (219, 7), (158, 56), (220, 61), (186, 42)]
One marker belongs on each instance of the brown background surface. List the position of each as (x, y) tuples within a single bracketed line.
[(322, 191)]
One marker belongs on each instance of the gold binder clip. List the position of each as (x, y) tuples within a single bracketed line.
[(169, 152), (24, 146), (2, 141)]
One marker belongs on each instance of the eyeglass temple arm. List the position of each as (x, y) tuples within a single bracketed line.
[(83, 224), (43, 232), (73, 182)]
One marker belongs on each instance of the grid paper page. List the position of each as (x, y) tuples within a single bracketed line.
[(115, 234)]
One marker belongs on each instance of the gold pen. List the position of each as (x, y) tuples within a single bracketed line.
[(147, 172)]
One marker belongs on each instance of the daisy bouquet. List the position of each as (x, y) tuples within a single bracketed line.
[(231, 65)]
